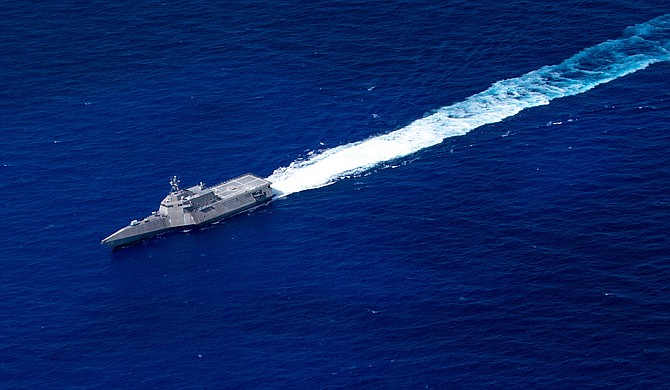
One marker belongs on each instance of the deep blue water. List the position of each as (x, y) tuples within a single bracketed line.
[(496, 214)]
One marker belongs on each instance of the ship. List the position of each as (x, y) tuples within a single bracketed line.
[(195, 206)]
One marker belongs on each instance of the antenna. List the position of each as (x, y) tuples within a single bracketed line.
[(174, 182)]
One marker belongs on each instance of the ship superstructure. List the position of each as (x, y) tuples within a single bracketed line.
[(197, 205)]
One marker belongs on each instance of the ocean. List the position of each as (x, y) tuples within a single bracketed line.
[(470, 194)]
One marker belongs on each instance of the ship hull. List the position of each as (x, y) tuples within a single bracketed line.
[(123, 241), (118, 241)]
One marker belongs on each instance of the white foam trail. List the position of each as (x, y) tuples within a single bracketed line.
[(641, 46)]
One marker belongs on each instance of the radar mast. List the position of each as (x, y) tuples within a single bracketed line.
[(174, 182)]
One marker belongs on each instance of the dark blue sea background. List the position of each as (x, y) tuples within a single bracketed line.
[(530, 250)]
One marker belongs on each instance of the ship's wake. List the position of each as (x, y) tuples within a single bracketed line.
[(639, 47)]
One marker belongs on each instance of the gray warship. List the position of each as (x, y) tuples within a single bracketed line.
[(195, 206)]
